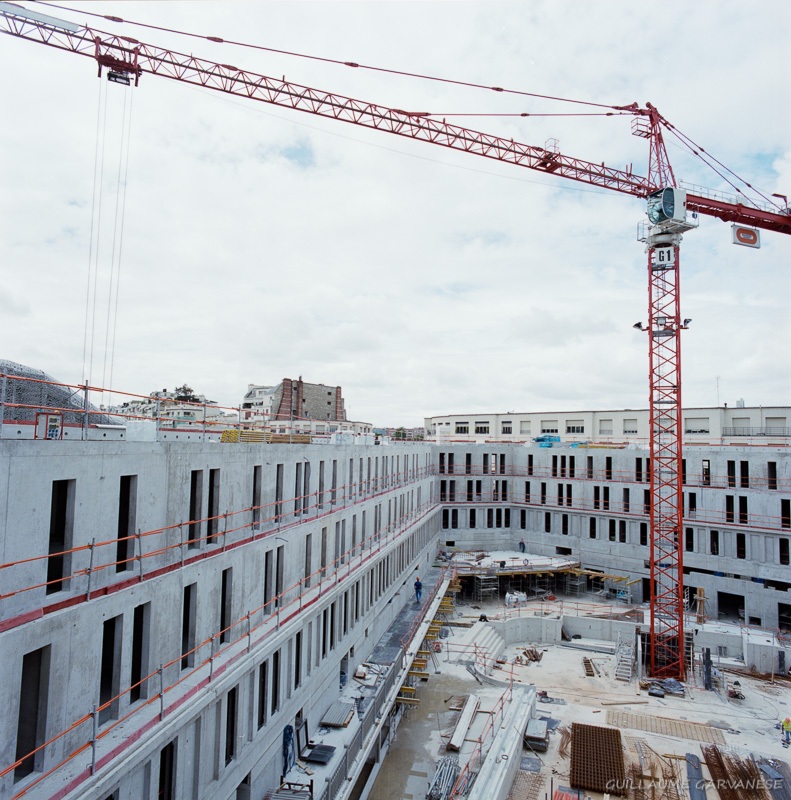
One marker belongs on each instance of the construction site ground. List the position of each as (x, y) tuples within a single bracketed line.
[(656, 733)]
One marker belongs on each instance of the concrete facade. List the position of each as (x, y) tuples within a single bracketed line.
[(591, 504), (245, 616), (209, 595)]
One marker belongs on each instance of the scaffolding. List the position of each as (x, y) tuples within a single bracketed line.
[(544, 583), (487, 587), (576, 584)]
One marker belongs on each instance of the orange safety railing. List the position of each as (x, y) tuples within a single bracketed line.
[(634, 510), (215, 654), (446, 573), (202, 422), (259, 521), (482, 657), (477, 756)]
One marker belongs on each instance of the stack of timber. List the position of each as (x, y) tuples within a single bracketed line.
[(464, 722)]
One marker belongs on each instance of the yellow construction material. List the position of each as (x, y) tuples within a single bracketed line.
[(601, 575)]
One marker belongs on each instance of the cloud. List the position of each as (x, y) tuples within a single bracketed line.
[(260, 242), (12, 306)]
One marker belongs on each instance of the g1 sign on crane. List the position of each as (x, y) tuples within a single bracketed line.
[(671, 213)]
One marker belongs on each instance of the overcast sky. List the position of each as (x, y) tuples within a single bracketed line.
[(260, 243)]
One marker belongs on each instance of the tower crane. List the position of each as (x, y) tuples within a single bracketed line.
[(672, 211)]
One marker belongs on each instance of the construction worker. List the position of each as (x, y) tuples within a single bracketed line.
[(787, 729), (521, 545), (418, 590)]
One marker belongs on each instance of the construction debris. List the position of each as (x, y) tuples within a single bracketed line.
[(779, 774), (531, 654), (565, 741), (444, 779), (587, 665), (624, 702), (527, 786), (695, 782), (338, 715), (536, 736), (734, 777)]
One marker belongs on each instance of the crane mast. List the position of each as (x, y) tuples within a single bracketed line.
[(126, 59)]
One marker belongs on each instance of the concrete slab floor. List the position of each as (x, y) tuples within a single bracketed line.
[(746, 725), (418, 745)]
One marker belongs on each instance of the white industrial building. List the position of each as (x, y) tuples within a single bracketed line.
[(169, 608), (711, 425)]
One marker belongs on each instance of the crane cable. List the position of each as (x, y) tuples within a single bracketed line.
[(115, 265), (95, 250), (623, 109), (698, 151), (219, 40), (90, 238)]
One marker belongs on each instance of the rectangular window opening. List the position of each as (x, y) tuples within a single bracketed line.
[(61, 530), (141, 628), (196, 506), (110, 669), (188, 632), (127, 511), (257, 479), (214, 505), (167, 772), (226, 598), (32, 719), (231, 703)]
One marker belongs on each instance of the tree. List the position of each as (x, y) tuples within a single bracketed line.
[(400, 433), (185, 393)]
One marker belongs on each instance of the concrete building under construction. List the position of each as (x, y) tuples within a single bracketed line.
[(181, 619)]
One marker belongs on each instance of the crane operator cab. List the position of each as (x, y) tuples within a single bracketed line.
[(667, 211)]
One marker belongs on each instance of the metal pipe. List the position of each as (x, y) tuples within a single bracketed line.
[(2, 403), (90, 567), (95, 715)]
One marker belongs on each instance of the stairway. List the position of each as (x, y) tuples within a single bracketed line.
[(624, 661), (482, 645)]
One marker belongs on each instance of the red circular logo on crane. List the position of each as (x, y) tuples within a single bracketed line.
[(746, 236)]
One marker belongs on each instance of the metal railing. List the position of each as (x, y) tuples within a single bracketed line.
[(760, 431), (344, 769)]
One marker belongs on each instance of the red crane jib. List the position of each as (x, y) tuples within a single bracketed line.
[(115, 52)]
